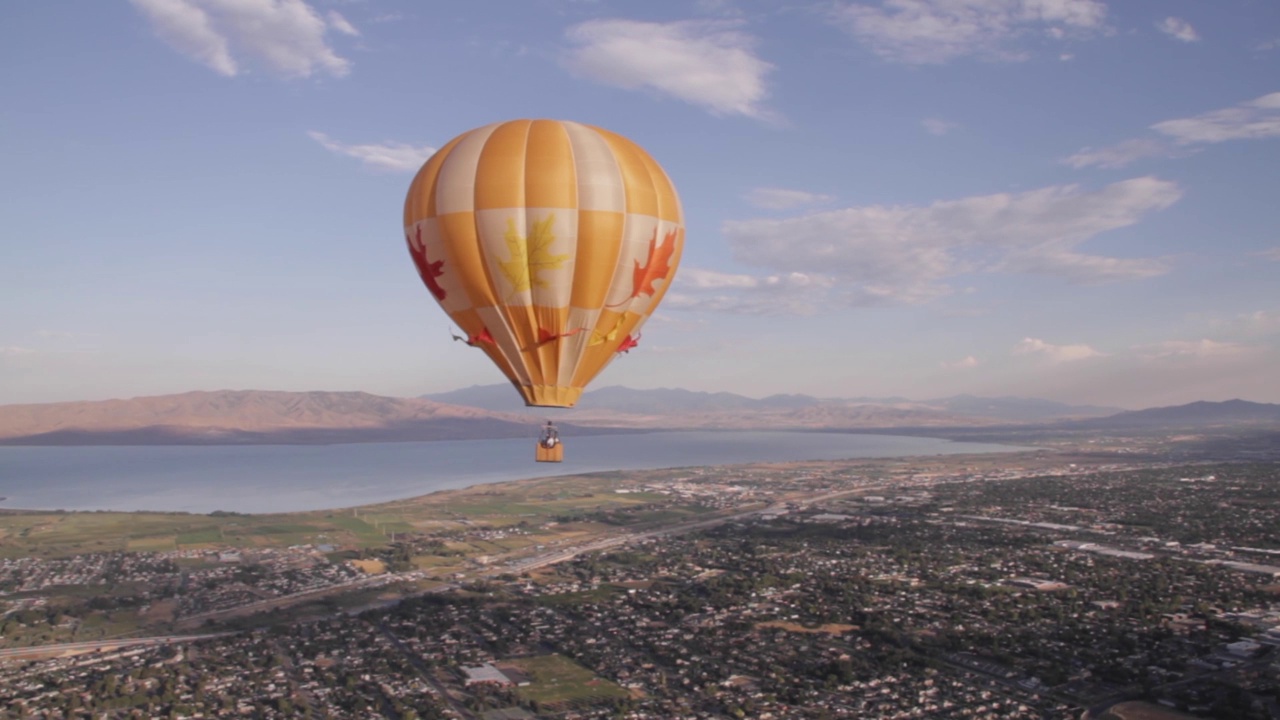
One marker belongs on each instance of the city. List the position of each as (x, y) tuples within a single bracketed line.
[(976, 587)]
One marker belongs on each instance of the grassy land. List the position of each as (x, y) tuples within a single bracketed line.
[(1143, 711), (533, 502), (558, 680)]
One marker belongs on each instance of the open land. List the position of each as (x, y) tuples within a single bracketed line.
[(1093, 579)]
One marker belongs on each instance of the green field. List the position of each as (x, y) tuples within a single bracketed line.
[(580, 503), (557, 680)]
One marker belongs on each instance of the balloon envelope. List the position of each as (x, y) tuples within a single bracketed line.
[(549, 243)]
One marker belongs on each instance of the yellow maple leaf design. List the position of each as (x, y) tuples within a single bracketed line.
[(530, 255), (600, 338)]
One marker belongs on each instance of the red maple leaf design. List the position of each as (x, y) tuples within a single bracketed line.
[(427, 269), (546, 336), (482, 337), (657, 266), (628, 342)]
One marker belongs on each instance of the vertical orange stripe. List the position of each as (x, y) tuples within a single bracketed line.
[(550, 179), (599, 245), (421, 201), (641, 198), (462, 247), (500, 173), (668, 200)]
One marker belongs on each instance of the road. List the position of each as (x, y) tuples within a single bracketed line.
[(80, 648), (559, 556)]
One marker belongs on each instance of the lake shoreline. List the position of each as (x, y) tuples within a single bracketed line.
[(279, 479)]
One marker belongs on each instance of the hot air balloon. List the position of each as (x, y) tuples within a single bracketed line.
[(548, 243)]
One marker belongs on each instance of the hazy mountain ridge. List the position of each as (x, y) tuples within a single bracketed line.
[(618, 404), (1196, 414), (252, 416), (265, 417)]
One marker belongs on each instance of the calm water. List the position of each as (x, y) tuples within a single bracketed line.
[(283, 478)]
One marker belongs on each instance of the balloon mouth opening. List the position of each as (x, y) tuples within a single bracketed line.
[(552, 396)]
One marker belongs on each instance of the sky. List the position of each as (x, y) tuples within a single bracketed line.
[(1076, 200)]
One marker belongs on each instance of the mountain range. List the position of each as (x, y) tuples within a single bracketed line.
[(252, 416), (494, 411), (622, 405)]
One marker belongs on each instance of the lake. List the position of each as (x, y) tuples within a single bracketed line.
[(287, 478)]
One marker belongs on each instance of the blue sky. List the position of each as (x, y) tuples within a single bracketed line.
[(1070, 199)]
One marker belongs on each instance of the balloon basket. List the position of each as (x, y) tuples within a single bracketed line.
[(555, 453)]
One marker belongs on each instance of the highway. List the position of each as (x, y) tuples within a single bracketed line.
[(80, 648)]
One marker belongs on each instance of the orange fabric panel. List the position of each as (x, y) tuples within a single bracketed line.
[(550, 178), (641, 197), (421, 202), (500, 174), (599, 245), (664, 191), (463, 248)]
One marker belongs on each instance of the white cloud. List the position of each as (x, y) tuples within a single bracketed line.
[(1190, 349), (1082, 269), (708, 63), (1054, 354), (784, 294), (1256, 119), (1261, 322), (188, 29), (903, 254), (1118, 155), (936, 126), (339, 23), (1159, 374), (1256, 324), (1271, 254), (783, 199), (710, 279), (387, 156), (285, 36), (963, 363), (924, 32), (1178, 29), (15, 351)]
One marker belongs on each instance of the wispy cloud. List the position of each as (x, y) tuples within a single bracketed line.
[(1118, 155), (1054, 354), (928, 32), (1271, 254), (1191, 349), (1256, 119), (784, 294), (936, 126), (7, 351), (904, 254), (287, 37), (783, 199), (963, 363), (1178, 29), (340, 23), (399, 157), (1261, 322), (708, 63)]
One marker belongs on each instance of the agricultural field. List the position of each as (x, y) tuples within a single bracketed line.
[(560, 682), (569, 499)]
